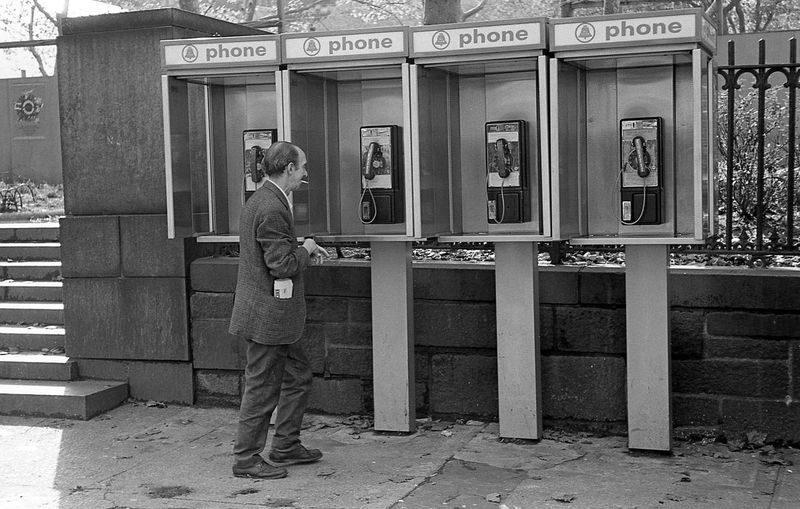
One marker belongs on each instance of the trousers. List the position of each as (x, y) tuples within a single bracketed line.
[(276, 376)]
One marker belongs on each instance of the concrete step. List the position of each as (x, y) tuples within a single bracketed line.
[(50, 313), (41, 291), (79, 399), (30, 250), (30, 337), (41, 270), (28, 231), (37, 366)]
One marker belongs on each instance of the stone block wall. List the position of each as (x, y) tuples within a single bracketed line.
[(735, 343), (126, 309)]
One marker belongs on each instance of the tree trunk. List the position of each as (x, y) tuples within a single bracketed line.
[(610, 6), (442, 11), (189, 5)]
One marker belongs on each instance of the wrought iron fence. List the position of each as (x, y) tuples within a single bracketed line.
[(756, 162), (758, 147)]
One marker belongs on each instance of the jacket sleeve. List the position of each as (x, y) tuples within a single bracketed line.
[(282, 256)]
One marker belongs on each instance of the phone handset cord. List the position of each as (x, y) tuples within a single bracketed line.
[(644, 200), (502, 200), (361, 201)]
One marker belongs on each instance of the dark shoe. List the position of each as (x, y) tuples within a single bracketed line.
[(293, 456), (262, 470)]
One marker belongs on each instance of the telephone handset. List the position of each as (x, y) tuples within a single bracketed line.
[(257, 171), (641, 183), (503, 160), (639, 158), (374, 162), (507, 171), (381, 200), (256, 142)]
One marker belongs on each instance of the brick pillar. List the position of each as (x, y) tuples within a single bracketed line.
[(125, 299)]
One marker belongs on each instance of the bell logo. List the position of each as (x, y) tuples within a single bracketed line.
[(441, 39), (189, 53), (311, 46), (585, 32)]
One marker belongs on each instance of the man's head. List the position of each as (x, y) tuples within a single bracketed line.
[(286, 165)]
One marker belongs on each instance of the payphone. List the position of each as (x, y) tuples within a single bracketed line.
[(632, 101), (506, 171), (256, 142), (640, 175), (381, 199), (221, 114)]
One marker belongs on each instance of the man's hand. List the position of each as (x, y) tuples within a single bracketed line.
[(316, 252)]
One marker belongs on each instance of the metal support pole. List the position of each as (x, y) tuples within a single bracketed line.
[(648, 350), (518, 363), (393, 336)]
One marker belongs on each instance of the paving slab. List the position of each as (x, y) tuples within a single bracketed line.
[(174, 457)]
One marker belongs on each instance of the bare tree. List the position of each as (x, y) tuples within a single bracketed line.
[(448, 11)]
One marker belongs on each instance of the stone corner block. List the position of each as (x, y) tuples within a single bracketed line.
[(146, 250), (90, 246), (215, 274)]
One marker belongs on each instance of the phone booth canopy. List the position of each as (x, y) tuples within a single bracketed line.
[(345, 98), (632, 117), (221, 110), (480, 133)]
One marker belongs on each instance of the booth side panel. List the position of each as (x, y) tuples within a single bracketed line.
[(179, 179), (219, 144), (333, 170), (434, 148), (602, 152), (198, 159), (686, 198), (453, 147), (473, 171), (309, 132), (567, 160)]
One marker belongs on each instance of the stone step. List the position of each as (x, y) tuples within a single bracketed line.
[(30, 250), (37, 366), (29, 231), (50, 313), (79, 399), (42, 291), (40, 270), (31, 337)]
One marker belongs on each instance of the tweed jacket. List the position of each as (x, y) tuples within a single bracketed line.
[(268, 250)]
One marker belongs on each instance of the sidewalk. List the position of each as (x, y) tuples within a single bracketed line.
[(180, 457)]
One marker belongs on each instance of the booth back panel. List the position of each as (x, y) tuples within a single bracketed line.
[(364, 103), (246, 107)]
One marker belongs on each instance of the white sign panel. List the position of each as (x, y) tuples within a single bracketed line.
[(477, 37), (597, 32), (315, 47), (219, 51)]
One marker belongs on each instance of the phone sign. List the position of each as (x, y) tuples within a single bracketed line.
[(345, 45), (625, 30), (220, 51), (512, 36)]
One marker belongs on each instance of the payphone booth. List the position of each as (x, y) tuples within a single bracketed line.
[(345, 98), (479, 95), (221, 113), (632, 101)]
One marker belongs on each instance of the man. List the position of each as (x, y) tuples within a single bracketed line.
[(269, 312)]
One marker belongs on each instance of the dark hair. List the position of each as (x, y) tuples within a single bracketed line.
[(279, 155)]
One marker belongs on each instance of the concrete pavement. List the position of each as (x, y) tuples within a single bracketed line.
[(141, 457)]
